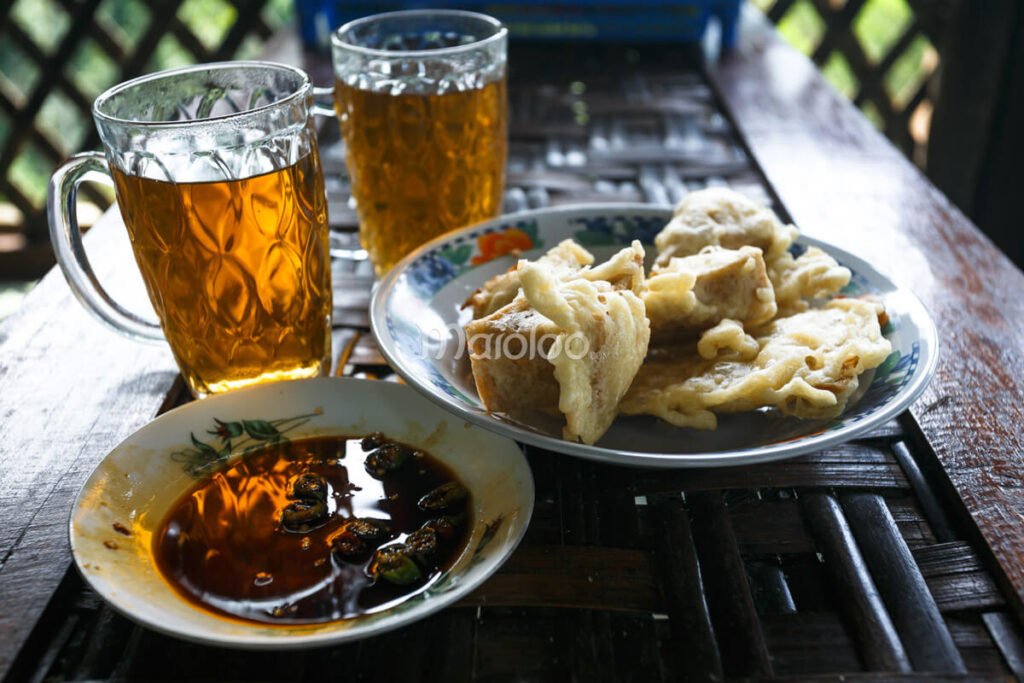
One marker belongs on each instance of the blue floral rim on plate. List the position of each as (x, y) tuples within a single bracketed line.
[(450, 262)]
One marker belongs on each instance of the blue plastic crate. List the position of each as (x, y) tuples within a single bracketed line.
[(642, 21)]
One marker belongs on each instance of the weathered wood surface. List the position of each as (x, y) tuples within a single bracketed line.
[(70, 390), (840, 180)]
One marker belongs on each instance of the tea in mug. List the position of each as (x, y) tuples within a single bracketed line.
[(238, 272), (422, 164)]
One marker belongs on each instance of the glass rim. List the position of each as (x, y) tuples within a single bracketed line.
[(500, 33), (302, 88)]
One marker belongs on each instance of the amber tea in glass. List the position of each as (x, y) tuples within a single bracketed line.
[(421, 99), (259, 306), (217, 177)]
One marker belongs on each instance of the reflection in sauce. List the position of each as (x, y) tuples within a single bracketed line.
[(314, 530)]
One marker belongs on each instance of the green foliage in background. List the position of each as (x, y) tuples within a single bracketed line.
[(46, 22), (877, 27)]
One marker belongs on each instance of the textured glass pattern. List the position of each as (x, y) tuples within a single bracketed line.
[(421, 98), (219, 183)]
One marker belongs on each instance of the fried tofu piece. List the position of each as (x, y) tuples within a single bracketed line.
[(691, 294), (565, 258), (565, 346), (508, 353), (721, 217), (807, 366)]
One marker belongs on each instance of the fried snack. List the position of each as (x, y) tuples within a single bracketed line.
[(807, 366), (727, 340), (624, 270), (814, 274), (720, 217), (584, 339), (691, 294), (565, 258), (726, 313), (508, 353)]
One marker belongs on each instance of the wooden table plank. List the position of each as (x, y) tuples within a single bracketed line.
[(71, 390), (845, 183)]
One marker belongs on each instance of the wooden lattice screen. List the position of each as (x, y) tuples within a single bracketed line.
[(889, 79), (50, 74), (888, 73)]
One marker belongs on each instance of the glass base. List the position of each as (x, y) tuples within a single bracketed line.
[(203, 390)]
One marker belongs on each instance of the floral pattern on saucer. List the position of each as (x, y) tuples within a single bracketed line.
[(237, 437), (120, 507)]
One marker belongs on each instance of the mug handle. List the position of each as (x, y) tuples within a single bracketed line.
[(61, 202), (323, 102), (323, 105)]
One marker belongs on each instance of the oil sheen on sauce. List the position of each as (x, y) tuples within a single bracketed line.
[(229, 545)]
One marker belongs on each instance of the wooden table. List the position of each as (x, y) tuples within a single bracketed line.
[(899, 553)]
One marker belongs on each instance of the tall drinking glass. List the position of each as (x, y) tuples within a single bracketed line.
[(217, 177), (421, 98)]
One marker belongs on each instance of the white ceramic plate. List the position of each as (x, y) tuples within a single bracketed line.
[(138, 482), (416, 315)]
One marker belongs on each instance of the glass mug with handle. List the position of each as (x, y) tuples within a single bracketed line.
[(422, 102), (217, 175)]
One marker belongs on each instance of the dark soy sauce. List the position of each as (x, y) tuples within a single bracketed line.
[(225, 547)]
